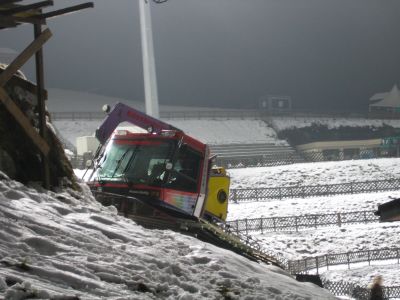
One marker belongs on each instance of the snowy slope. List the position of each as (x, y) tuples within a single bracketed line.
[(325, 240), (207, 131), (67, 244), (229, 131), (282, 123), (316, 173)]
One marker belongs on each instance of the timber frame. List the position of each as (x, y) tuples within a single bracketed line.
[(12, 14)]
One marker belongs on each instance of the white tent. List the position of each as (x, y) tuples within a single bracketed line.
[(390, 99)]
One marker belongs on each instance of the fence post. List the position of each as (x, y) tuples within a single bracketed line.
[(295, 224), (348, 260), (247, 229), (305, 266), (235, 196), (365, 217), (315, 220), (274, 222), (237, 227), (339, 220), (327, 262), (398, 258), (369, 258), (261, 225), (316, 264)]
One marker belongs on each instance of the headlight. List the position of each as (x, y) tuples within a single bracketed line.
[(222, 196)]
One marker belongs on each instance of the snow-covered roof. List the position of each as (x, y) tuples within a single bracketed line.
[(378, 96), (391, 99)]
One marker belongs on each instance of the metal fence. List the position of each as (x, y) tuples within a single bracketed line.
[(200, 114), (296, 223), (266, 160), (266, 194), (218, 113), (343, 288), (315, 264)]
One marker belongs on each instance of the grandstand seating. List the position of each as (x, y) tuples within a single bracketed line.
[(254, 155)]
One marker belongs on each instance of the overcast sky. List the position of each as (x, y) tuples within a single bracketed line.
[(324, 53)]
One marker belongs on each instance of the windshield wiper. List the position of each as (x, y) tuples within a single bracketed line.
[(119, 162), (128, 165)]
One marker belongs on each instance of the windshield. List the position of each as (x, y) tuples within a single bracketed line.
[(138, 162)]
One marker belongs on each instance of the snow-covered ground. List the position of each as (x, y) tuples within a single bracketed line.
[(316, 173), (326, 240), (207, 131), (67, 244), (282, 123)]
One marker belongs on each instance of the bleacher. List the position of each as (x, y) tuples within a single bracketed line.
[(254, 155)]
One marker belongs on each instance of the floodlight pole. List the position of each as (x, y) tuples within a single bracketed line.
[(149, 68)]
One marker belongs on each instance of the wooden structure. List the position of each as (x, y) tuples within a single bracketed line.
[(12, 14)]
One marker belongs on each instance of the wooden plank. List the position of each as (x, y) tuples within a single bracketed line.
[(3, 2), (67, 10), (25, 55), (41, 106), (23, 8), (40, 143), (29, 18), (7, 23)]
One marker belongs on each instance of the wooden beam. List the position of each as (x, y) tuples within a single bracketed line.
[(7, 23), (24, 122), (24, 8), (25, 55), (41, 106), (3, 2), (67, 10), (32, 19)]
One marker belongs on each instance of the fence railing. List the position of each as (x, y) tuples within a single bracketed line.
[(267, 194), (216, 113), (200, 114), (343, 288), (317, 263), (268, 160), (296, 223)]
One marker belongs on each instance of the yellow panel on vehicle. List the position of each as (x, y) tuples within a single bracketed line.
[(218, 193)]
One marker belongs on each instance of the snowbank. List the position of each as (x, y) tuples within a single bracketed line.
[(207, 131), (67, 244), (316, 173), (282, 123)]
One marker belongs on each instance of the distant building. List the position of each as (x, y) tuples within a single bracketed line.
[(276, 103), (385, 104), (346, 150)]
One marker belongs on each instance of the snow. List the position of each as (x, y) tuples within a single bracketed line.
[(283, 123), (229, 131), (67, 244), (317, 173), (325, 240), (207, 131)]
